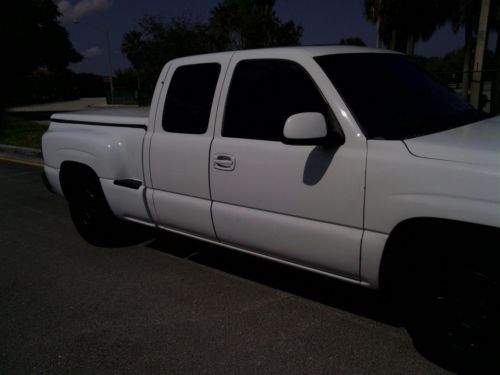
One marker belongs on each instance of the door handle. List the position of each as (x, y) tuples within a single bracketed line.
[(224, 162)]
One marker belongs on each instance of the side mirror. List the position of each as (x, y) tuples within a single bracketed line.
[(307, 128)]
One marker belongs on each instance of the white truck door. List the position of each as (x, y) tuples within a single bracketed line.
[(180, 146), (299, 203)]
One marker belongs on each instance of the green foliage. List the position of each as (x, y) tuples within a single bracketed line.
[(45, 86), (234, 24), (32, 38), (16, 131), (125, 79), (241, 24), (157, 41), (401, 20), (89, 85), (352, 41), (466, 13), (128, 88), (449, 67)]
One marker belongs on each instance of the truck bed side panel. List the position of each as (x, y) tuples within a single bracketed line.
[(113, 152)]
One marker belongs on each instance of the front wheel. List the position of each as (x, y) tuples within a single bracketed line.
[(453, 301)]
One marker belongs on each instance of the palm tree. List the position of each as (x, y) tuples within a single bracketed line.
[(237, 24), (495, 84), (400, 24), (465, 13), (373, 10)]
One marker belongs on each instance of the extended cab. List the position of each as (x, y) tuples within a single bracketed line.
[(346, 161)]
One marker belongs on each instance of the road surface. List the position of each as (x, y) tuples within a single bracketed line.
[(173, 305)]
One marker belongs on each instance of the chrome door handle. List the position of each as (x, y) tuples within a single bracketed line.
[(224, 162)]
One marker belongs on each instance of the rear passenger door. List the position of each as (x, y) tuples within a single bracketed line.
[(298, 203), (179, 150)]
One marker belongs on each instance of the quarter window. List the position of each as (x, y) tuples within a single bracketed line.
[(189, 98), (264, 93)]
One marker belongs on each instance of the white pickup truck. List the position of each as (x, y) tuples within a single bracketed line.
[(346, 161)]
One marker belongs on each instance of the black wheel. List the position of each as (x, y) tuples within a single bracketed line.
[(452, 301), (91, 214)]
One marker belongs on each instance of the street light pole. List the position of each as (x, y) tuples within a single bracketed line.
[(110, 67)]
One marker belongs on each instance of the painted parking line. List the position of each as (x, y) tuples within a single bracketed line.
[(21, 161)]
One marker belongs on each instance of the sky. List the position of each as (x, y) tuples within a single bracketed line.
[(324, 21)]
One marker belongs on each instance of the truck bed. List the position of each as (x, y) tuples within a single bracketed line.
[(121, 116)]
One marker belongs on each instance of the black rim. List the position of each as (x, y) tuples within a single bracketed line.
[(462, 307), (90, 207)]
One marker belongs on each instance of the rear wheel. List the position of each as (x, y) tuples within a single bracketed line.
[(91, 214)]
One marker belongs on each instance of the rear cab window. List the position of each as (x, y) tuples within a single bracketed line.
[(189, 98)]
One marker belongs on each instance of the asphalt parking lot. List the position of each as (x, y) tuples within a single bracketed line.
[(173, 305)]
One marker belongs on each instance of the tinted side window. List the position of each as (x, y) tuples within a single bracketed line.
[(263, 94), (189, 98), (392, 98)]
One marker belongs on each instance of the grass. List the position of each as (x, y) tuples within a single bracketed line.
[(16, 131)]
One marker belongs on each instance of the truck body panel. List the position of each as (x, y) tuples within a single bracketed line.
[(327, 208)]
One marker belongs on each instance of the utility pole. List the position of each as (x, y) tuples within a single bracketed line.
[(482, 40), (495, 85)]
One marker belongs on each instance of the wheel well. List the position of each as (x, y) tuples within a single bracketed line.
[(446, 238), (72, 174)]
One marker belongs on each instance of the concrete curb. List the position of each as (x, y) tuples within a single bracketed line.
[(25, 152)]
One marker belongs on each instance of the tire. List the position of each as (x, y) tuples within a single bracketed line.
[(92, 216), (452, 301)]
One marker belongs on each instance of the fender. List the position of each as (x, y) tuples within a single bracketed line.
[(401, 187)]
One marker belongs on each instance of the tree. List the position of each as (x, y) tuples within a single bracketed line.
[(33, 38), (156, 41), (402, 23), (495, 85), (234, 24), (449, 67), (126, 79), (373, 12), (240, 24), (465, 14), (89, 85), (495, 81), (352, 41)]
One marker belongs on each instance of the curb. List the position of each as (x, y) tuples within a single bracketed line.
[(26, 152)]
